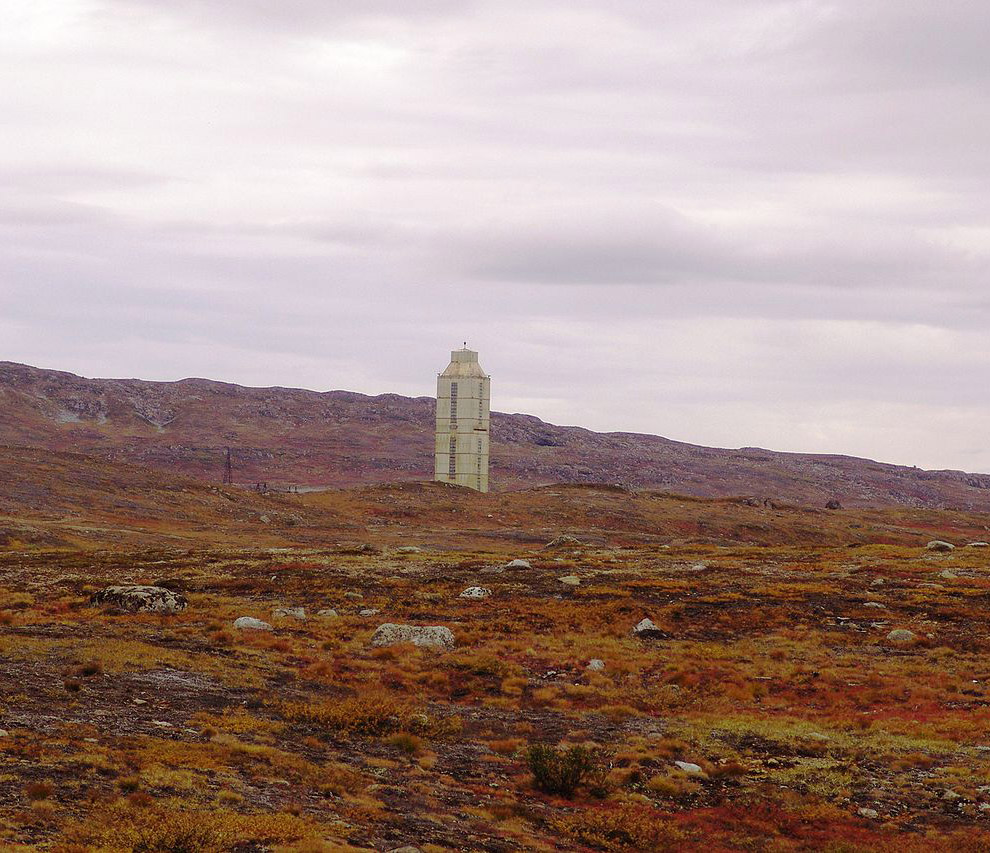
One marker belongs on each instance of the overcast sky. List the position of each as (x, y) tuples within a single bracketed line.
[(730, 223)]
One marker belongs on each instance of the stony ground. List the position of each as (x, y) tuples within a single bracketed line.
[(798, 724)]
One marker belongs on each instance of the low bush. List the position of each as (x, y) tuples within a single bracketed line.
[(563, 771)]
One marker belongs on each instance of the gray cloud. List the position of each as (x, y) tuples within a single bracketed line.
[(770, 214)]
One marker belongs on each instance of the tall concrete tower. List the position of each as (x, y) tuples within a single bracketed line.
[(463, 403)]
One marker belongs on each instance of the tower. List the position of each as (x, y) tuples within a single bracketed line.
[(463, 402)]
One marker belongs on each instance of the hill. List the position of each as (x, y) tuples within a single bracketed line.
[(286, 436)]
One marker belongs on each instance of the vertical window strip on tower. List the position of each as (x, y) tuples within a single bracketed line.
[(453, 402), (452, 463)]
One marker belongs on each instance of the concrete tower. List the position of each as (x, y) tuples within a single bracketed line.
[(463, 402)]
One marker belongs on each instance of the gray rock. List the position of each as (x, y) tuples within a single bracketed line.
[(475, 592), (901, 637), (327, 613), (249, 623), (948, 574), (688, 767), (570, 580), (596, 664), (370, 611), (565, 540), (289, 613), (877, 582), (876, 604), (872, 814), (155, 599), (408, 549), (939, 546), (648, 630), (518, 564), (390, 634), (353, 596), (978, 545)]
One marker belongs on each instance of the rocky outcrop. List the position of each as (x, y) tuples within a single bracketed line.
[(155, 599), (435, 636)]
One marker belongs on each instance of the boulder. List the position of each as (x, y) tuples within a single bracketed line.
[(596, 664), (327, 613), (353, 596), (688, 767), (249, 623), (370, 611), (390, 634), (570, 580), (518, 564), (901, 637), (872, 814), (298, 613), (408, 549), (475, 592), (155, 599), (647, 630), (565, 540), (939, 546)]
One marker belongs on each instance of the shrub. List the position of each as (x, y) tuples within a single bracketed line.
[(562, 772), (39, 790)]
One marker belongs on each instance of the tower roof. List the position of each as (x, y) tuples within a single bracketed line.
[(464, 365)]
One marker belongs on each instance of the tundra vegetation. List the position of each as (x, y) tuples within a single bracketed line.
[(769, 711)]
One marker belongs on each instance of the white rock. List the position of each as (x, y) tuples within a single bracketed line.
[(596, 664), (370, 611), (475, 592), (901, 637), (408, 549), (156, 599), (688, 767), (978, 545), (872, 814), (948, 574), (289, 613), (327, 613), (570, 580), (940, 546), (391, 634), (876, 604), (249, 623), (646, 628), (518, 564), (140, 701)]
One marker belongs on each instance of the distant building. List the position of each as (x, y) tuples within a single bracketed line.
[(463, 404)]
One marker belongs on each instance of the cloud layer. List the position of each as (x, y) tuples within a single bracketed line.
[(757, 223)]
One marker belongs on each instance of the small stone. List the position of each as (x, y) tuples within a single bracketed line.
[(875, 604), (901, 637), (408, 549), (688, 767), (565, 540), (647, 630), (391, 634), (298, 613), (596, 664), (353, 596), (369, 611), (162, 724), (872, 814), (698, 567), (939, 546), (877, 582), (4, 733), (948, 574), (327, 613), (978, 545), (139, 701), (475, 592), (570, 580), (518, 564), (249, 623)]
